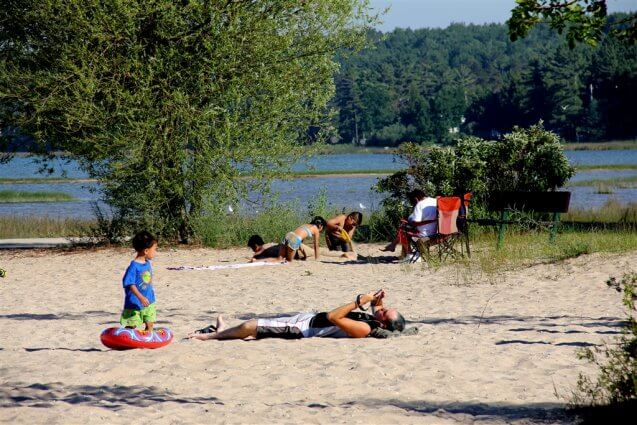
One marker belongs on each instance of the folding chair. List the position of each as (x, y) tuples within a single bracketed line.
[(452, 230)]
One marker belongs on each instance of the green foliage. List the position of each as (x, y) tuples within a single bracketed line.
[(617, 380), (223, 230), (529, 159), (162, 100), (421, 85), (583, 20)]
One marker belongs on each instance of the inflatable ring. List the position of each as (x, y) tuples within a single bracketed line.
[(126, 339)]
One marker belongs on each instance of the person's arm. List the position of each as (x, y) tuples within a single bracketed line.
[(377, 302), (143, 299), (317, 236), (351, 327)]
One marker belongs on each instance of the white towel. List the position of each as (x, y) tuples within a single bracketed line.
[(225, 266)]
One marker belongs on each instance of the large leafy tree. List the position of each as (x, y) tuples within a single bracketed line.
[(161, 100), (583, 20)]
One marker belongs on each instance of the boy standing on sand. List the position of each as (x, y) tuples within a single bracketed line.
[(139, 296)]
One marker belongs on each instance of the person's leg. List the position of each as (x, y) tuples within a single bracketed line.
[(131, 319), (149, 315), (242, 331), (289, 254), (391, 247)]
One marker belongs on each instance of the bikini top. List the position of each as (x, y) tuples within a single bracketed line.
[(308, 231)]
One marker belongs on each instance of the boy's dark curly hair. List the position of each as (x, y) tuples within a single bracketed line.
[(143, 240)]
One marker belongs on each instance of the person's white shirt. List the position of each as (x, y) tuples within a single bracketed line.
[(425, 210)]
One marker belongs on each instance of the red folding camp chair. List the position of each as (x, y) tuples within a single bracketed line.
[(453, 230)]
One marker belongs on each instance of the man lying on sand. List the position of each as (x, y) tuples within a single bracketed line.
[(342, 322)]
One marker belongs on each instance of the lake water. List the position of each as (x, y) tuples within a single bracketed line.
[(346, 192)]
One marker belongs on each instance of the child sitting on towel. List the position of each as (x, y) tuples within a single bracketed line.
[(139, 296)]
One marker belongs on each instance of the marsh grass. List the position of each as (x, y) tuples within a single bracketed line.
[(620, 182), (589, 167), (527, 248), (602, 146), (272, 223), (43, 180), (611, 212), (43, 227), (603, 189), (15, 196)]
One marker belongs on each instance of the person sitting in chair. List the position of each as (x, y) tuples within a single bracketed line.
[(341, 322), (420, 224)]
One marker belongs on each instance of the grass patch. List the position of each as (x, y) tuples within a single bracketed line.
[(523, 249), (621, 182), (611, 212), (272, 223), (603, 189), (14, 196), (606, 167), (43, 227), (43, 180), (602, 146)]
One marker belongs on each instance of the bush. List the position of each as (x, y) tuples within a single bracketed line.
[(524, 160), (617, 381)]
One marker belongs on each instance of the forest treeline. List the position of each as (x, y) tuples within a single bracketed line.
[(428, 85)]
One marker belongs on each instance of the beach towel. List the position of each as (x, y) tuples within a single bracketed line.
[(225, 266)]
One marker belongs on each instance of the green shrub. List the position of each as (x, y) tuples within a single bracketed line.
[(617, 380), (529, 159)]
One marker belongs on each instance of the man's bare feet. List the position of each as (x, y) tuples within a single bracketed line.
[(221, 324)]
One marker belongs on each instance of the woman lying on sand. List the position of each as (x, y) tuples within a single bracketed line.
[(342, 322)]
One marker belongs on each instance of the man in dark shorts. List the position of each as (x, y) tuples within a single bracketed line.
[(342, 322), (340, 231)]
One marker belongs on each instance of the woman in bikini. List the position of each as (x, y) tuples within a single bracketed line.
[(293, 240)]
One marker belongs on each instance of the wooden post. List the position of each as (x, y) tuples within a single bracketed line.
[(504, 217), (556, 222)]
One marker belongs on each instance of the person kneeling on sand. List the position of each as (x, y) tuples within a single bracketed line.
[(342, 322), (293, 241), (340, 232)]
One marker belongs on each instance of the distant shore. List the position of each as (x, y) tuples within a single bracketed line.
[(347, 148)]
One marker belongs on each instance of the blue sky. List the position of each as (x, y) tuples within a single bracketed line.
[(440, 13)]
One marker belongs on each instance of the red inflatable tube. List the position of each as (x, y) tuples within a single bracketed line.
[(126, 339)]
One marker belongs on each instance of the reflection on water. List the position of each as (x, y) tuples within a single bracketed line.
[(343, 193)]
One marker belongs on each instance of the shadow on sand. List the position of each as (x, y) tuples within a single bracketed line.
[(112, 397), (467, 412)]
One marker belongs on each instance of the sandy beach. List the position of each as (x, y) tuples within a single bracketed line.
[(491, 349)]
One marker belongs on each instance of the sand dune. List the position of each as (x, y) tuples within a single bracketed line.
[(493, 349)]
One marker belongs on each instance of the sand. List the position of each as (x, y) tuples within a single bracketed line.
[(490, 348)]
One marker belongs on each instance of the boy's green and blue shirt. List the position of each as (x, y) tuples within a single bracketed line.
[(140, 275)]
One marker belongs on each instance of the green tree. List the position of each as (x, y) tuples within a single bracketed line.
[(583, 20), (161, 100)]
